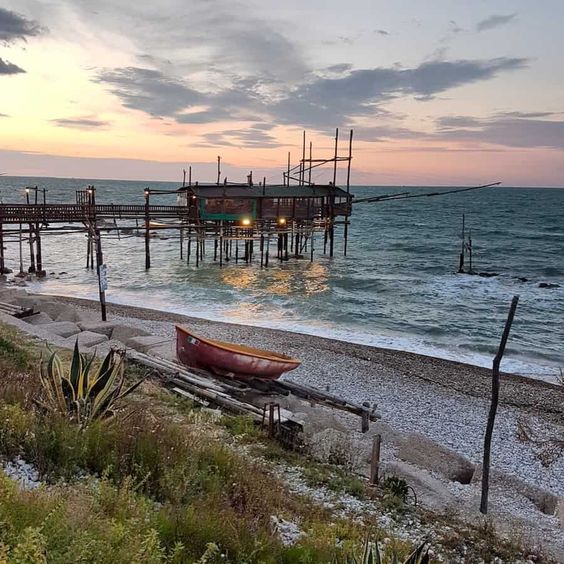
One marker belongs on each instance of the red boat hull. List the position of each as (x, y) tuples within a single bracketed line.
[(228, 359)]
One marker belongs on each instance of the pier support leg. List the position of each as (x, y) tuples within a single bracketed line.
[(31, 250), (2, 260), (39, 257)]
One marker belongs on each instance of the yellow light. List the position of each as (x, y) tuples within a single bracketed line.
[(246, 222), (281, 221)]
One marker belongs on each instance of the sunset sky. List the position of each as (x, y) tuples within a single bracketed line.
[(438, 92)]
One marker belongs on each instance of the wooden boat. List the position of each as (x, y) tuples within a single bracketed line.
[(228, 359)]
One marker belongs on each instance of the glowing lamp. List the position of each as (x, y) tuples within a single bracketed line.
[(245, 222), (281, 221), (27, 190)]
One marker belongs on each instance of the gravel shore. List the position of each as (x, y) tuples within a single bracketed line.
[(444, 400)]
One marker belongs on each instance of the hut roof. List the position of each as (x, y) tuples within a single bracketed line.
[(255, 192)]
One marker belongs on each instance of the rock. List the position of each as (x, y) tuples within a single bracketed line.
[(144, 343), (522, 279), (421, 451), (429, 490), (548, 285), (38, 319), (26, 301), (544, 500), (103, 327), (289, 532), (560, 512), (62, 328), (123, 333), (87, 339)]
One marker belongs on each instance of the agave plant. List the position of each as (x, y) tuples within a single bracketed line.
[(84, 393), (371, 555)]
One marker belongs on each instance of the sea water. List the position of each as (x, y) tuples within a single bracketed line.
[(396, 288)]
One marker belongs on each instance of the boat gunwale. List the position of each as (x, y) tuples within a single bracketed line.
[(243, 349)]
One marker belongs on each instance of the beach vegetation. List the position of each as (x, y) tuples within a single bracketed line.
[(171, 484), (84, 392)]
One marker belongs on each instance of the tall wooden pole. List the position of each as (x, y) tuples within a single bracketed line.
[(101, 269), (147, 231), (493, 407), (461, 261), (335, 158)]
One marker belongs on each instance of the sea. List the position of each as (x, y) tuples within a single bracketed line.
[(397, 287)]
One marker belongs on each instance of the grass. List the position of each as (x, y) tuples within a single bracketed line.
[(169, 485)]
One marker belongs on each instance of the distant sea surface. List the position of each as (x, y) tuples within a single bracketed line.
[(397, 288)]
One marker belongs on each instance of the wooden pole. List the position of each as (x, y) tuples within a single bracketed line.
[(101, 275), (2, 261), (461, 261), (336, 153), (147, 231), (375, 460), (218, 169), (288, 173), (493, 407)]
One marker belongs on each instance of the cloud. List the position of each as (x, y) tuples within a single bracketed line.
[(14, 26), (253, 136), (381, 32), (339, 94), (505, 130), (149, 90), (9, 68), (80, 123), (358, 93), (494, 21), (4, 115)]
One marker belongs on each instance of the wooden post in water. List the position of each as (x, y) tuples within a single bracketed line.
[(346, 234), (461, 261), (147, 193), (493, 407), (2, 260)]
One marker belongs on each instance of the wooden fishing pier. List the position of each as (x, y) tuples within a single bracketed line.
[(231, 221)]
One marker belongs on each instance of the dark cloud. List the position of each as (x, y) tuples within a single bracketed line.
[(14, 26), (495, 21), (9, 68), (150, 91), (339, 100), (319, 102), (4, 115), (80, 123), (504, 130), (381, 32)]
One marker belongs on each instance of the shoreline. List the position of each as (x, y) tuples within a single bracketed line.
[(419, 398), (469, 379)]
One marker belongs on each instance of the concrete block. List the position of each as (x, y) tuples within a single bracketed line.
[(62, 328), (123, 333), (68, 313), (164, 350), (103, 327), (545, 501), (145, 343), (38, 319), (10, 294), (430, 491), (421, 451), (87, 339)]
